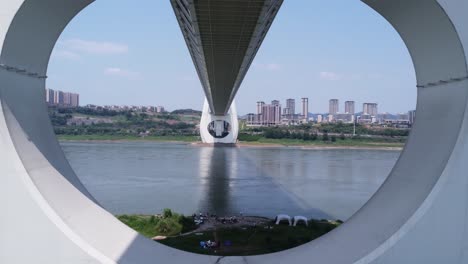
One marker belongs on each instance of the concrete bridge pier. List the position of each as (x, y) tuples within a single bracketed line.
[(215, 129)]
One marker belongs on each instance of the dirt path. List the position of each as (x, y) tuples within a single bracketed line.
[(210, 223)]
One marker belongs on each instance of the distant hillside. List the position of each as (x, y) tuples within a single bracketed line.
[(103, 122), (186, 112)]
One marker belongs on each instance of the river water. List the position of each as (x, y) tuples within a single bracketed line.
[(146, 177)]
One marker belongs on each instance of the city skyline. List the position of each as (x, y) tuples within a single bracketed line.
[(120, 65), (61, 98), (270, 114), (355, 106), (58, 97)]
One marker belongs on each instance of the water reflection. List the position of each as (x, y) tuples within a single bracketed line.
[(283, 172), (216, 172), (145, 178), (232, 189)]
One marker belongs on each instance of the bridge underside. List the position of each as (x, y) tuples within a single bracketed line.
[(223, 37)]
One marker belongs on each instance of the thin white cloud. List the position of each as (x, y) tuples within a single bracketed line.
[(334, 76), (268, 66), (93, 47), (273, 67), (119, 72), (68, 55), (330, 76)]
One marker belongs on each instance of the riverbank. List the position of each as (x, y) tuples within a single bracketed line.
[(228, 236), (114, 138), (324, 147), (321, 145), (263, 142)]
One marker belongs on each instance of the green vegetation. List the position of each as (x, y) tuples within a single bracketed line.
[(232, 241), (252, 240), (311, 132), (324, 140), (168, 224), (332, 135), (186, 112), (248, 137), (375, 130), (128, 138), (254, 140), (123, 124)]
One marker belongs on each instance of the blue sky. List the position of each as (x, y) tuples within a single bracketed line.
[(119, 52)]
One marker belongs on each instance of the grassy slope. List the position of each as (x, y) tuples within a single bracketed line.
[(251, 240), (245, 241), (127, 138), (150, 226)]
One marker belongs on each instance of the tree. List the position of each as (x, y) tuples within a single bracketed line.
[(314, 137), (325, 137), (342, 136), (187, 223), (128, 115), (168, 227), (167, 213), (333, 138)]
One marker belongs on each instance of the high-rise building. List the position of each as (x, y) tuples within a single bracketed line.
[(63, 99), (305, 108), (412, 116), (160, 109), (275, 117), (59, 97), (349, 107), (319, 118), (56, 96), (71, 99), (291, 104), (370, 109), (271, 114), (260, 106), (264, 117), (277, 114), (50, 96), (251, 118), (75, 100), (67, 99), (334, 106)]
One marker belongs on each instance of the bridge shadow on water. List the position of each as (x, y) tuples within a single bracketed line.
[(232, 184)]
